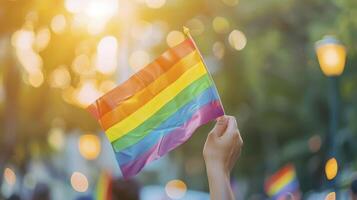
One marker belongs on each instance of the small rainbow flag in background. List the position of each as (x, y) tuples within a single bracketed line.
[(158, 108), (103, 189), (282, 183)]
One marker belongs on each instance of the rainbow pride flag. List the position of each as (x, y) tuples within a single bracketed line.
[(158, 108), (284, 182), (103, 189)]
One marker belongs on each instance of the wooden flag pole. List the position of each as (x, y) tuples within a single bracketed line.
[(186, 31)]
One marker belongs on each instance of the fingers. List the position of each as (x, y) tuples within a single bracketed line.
[(220, 127), (231, 126), (232, 132)]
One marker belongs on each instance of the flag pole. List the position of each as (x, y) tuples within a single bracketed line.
[(186, 31)]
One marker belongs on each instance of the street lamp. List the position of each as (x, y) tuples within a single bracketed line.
[(331, 55)]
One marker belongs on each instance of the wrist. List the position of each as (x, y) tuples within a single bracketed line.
[(217, 168)]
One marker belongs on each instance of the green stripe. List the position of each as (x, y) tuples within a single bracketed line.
[(184, 97)]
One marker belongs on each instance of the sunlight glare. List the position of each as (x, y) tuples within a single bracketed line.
[(107, 51)]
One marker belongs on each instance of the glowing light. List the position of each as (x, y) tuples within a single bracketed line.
[(106, 86), (94, 14), (107, 52), (331, 55), (196, 26), (89, 146), (94, 27), (314, 143), (176, 189), (79, 182), (139, 59), (75, 6), (174, 38), (102, 9), (87, 93), (331, 168), (58, 24), (30, 60), (218, 50), (69, 95), (220, 25), (140, 28), (23, 39), (237, 40), (81, 64), (331, 196), (231, 2), (60, 77), (42, 39), (155, 3), (10, 176), (36, 79), (56, 138)]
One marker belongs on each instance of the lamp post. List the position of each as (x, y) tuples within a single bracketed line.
[(331, 55)]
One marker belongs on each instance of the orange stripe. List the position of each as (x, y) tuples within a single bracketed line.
[(141, 98), (141, 79)]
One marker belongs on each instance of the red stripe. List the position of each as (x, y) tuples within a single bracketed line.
[(141, 79)]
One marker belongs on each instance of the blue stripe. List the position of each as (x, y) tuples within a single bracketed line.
[(173, 122)]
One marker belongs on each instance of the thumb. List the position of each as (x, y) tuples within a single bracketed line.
[(231, 125), (220, 127)]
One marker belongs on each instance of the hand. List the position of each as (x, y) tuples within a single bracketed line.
[(223, 145)]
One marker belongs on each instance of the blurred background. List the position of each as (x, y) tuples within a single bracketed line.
[(295, 98)]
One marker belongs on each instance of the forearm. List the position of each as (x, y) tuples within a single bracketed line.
[(219, 182)]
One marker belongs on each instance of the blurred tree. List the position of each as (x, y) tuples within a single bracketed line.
[(273, 86)]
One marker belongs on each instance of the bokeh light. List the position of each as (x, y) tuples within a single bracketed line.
[(101, 9), (23, 39), (176, 189), (140, 28), (331, 196), (331, 168), (237, 40), (30, 60), (79, 182), (314, 143), (36, 78), (75, 6), (89, 146), (106, 86), (58, 24), (10, 176), (60, 77), (107, 52), (56, 138), (139, 59), (218, 50), (174, 38), (81, 64), (196, 26), (155, 3), (42, 39), (87, 93), (220, 24)]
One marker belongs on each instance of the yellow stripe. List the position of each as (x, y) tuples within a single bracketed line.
[(278, 185), (146, 111)]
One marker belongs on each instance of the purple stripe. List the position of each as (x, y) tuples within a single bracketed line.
[(175, 138)]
